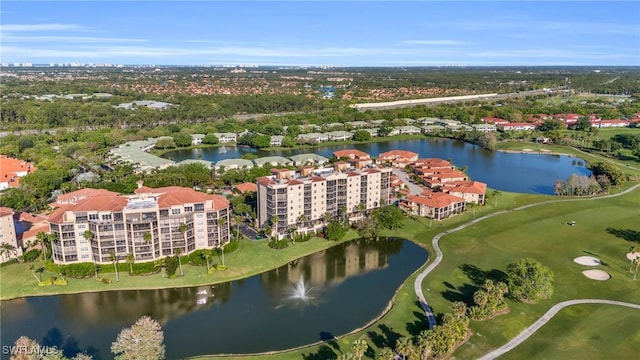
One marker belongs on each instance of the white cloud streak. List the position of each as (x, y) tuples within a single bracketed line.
[(434, 42), (39, 27)]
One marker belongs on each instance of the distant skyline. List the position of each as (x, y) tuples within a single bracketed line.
[(313, 33)]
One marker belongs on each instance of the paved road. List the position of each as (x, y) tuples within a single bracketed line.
[(526, 333), (417, 285), (413, 188)]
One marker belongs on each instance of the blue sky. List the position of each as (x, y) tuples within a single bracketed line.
[(340, 33)]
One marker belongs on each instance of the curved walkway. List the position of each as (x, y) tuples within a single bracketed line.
[(526, 333), (417, 285)]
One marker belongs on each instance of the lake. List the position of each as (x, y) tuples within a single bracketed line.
[(345, 287), (513, 172)]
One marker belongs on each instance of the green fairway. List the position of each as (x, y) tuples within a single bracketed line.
[(584, 332), (483, 251)]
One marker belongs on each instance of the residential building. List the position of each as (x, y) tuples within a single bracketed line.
[(151, 224), (409, 130), (11, 170), (300, 199), (308, 159), (234, 164), (339, 135), (8, 233), (276, 140), (196, 139), (494, 120), (484, 127), (617, 123), (517, 126), (272, 160), (434, 205), (471, 191), (226, 137), (397, 157), (312, 138), (357, 124), (246, 187)]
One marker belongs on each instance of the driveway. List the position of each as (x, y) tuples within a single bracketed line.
[(247, 231), (413, 188)]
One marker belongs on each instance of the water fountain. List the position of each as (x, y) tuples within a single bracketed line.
[(300, 291)]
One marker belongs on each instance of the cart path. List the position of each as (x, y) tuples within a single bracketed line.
[(417, 284)]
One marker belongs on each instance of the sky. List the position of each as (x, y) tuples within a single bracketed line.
[(312, 33)]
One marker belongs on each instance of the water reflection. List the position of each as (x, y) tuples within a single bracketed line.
[(350, 284)]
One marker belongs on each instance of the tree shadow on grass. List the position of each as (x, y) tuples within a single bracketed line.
[(478, 276), (329, 339), (387, 338), (463, 293), (627, 234), (324, 353)]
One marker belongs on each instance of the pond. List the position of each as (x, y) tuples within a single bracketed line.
[(326, 294), (514, 172)]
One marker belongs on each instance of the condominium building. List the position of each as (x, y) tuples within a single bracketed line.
[(302, 200), (7, 233), (90, 225)]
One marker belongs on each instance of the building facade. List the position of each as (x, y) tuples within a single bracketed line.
[(8, 233), (151, 224), (305, 200)]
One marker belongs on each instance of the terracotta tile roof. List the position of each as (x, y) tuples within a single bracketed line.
[(10, 169), (351, 154), (295, 182), (247, 187), (398, 154), (265, 180), (82, 194), (435, 200), (5, 211), (34, 230), (469, 187)]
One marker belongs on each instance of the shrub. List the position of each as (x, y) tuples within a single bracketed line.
[(212, 270), (171, 265), (105, 281), (221, 267), (9, 262), (76, 271), (302, 237), (278, 244), (231, 247), (196, 258), (47, 282), (60, 281), (31, 255)]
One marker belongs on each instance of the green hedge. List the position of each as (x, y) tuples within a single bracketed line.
[(8, 262), (31, 255)]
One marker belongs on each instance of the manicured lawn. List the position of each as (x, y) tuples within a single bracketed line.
[(485, 249), (584, 332), (609, 133), (252, 257)]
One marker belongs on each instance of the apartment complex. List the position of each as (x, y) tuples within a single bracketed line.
[(90, 224), (7, 233), (303, 199)]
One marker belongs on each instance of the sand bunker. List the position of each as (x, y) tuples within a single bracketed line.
[(597, 275), (587, 261), (527, 150), (633, 255)]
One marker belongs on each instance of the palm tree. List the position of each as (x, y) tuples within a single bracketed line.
[(131, 259), (178, 253), (35, 271), (88, 235), (631, 252), (386, 354), (238, 220), (206, 255), (424, 347), (362, 207), (495, 194), (274, 223), (44, 240), (404, 346), (343, 211), (637, 262), (114, 260), (7, 249), (147, 237), (221, 221), (302, 219), (359, 347)]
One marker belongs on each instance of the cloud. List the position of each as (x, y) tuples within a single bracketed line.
[(66, 39), (39, 27), (434, 42)]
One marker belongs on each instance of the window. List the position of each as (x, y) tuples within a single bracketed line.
[(106, 217), (93, 216), (175, 211), (188, 208), (85, 256), (82, 226)]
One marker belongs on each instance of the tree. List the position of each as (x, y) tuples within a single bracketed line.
[(131, 259), (390, 217), (615, 175), (359, 348), (178, 253), (404, 346), (144, 340), (274, 223), (182, 140), (530, 281), (44, 240), (146, 237), (583, 124), (636, 261), (386, 354), (220, 222), (7, 249), (25, 349), (459, 309), (165, 144), (210, 139), (88, 235), (362, 135), (114, 260), (335, 231), (368, 227), (37, 272)]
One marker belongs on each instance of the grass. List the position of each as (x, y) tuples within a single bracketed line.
[(16, 280), (584, 332), (541, 232)]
